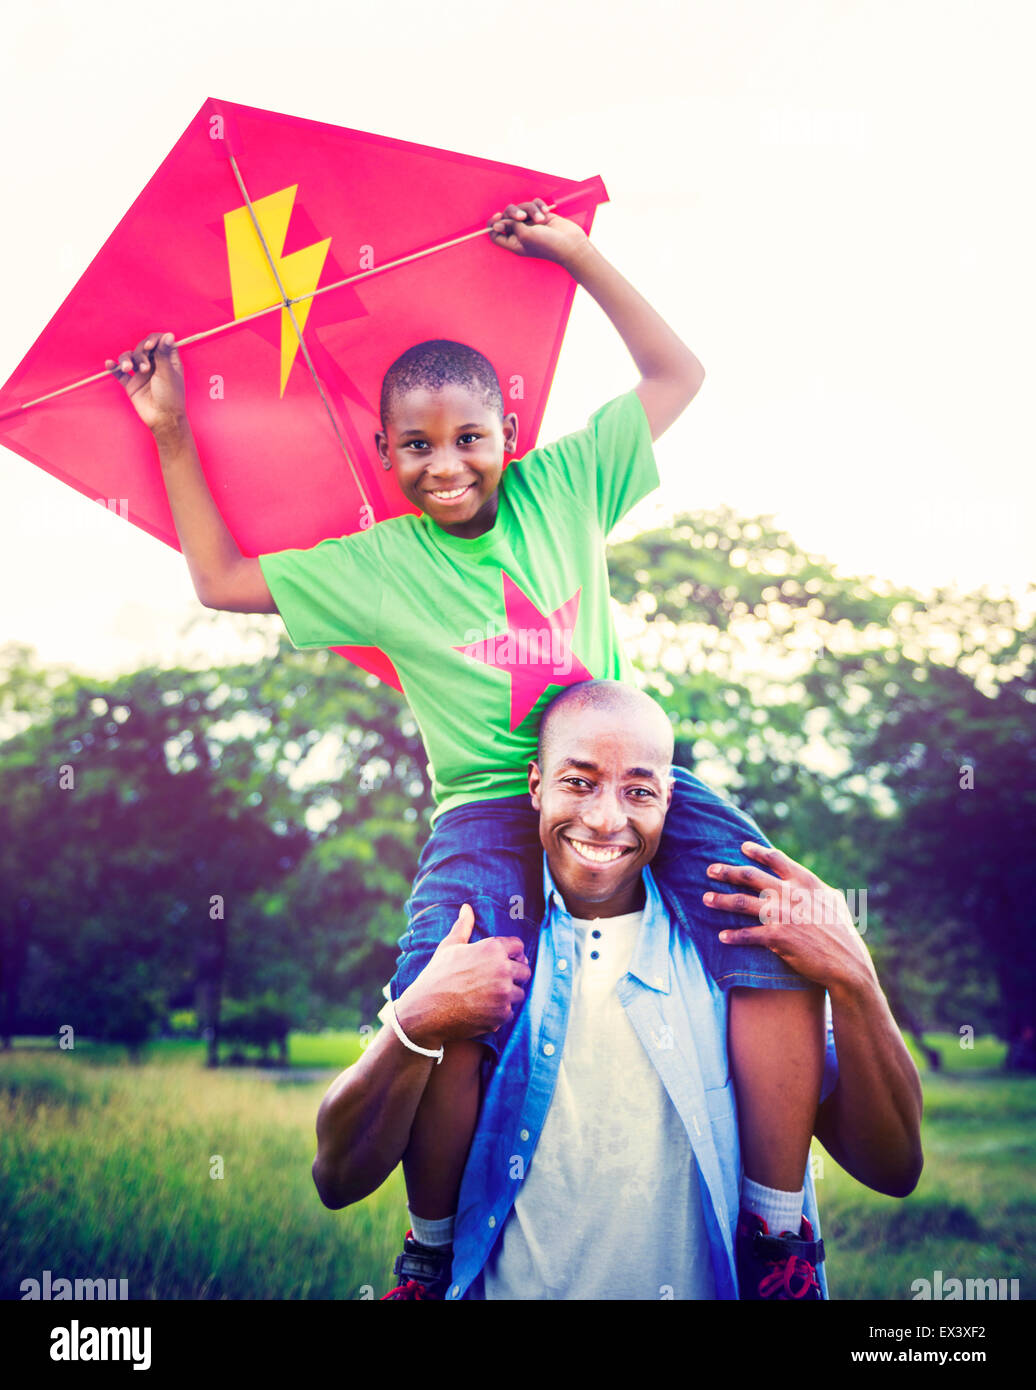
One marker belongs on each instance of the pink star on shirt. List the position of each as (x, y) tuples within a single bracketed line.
[(535, 649)]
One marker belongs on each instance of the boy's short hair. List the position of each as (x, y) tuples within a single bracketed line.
[(438, 363)]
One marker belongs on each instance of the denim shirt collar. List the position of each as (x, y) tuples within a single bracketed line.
[(650, 963)]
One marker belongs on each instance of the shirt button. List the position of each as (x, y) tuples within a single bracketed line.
[(596, 933), (524, 1136), (548, 1049), (594, 955), (456, 1290), (562, 964), (492, 1222)]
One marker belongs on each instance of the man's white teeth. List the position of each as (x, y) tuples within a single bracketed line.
[(453, 492), (595, 855)]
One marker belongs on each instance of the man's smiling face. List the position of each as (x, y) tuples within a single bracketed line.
[(602, 796), (447, 451)]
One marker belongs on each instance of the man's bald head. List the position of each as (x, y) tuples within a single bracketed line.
[(627, 706)]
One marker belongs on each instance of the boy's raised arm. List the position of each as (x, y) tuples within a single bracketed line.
[(152, 375), (670, 374)]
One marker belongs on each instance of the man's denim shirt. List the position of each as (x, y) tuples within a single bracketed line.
[(680, 1016)]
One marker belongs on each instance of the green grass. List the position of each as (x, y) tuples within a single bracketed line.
[(105, 1172), (973, 1213), (985, 1054), (328, 1049), (332, 1049)]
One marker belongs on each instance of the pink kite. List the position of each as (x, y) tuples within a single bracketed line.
[(295, 261)]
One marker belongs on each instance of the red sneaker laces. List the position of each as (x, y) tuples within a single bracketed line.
[(780, 1281), (411, 1289)]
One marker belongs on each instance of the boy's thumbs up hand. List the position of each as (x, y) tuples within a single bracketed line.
[(467, 988), (152, 375)]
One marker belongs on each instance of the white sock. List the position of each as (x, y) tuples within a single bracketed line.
[(437, 1233), (782, 1211)]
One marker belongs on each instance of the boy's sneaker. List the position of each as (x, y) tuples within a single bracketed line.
[(423, 1269), (775, 1267)]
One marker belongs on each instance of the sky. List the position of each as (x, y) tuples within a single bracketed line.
[(831, 202)]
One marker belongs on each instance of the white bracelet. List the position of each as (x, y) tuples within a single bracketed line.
[(388, 1013)]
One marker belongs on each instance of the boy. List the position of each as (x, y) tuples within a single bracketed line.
[(486, 603)]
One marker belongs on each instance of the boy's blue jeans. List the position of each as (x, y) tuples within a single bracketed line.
[(488, 854)]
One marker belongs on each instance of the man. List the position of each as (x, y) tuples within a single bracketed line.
[(605, 1162)]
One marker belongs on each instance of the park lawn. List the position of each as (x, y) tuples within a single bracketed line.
[(331, 1049), (106, 1171), (972, 1214)]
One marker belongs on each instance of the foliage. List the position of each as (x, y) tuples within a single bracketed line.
[(255, 828), (261, 1021), (881, 737)]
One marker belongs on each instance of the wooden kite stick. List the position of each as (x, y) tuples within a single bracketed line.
[(285, 303)]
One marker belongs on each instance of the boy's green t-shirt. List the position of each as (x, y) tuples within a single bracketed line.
[(485, 632)]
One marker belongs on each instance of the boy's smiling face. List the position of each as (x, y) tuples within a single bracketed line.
[(447, 450)]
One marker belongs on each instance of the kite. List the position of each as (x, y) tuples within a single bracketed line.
[(295, 261)]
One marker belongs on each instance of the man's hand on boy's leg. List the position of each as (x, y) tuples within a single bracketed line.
[(466, 989), (797, 916)]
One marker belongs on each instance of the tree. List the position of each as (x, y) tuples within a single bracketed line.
[(255, 828), (845, 713), (122, 831)]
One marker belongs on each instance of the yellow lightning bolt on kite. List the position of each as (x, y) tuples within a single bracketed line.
[(252, 282)]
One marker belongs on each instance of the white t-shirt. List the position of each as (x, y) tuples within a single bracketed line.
[(611, 1205)]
